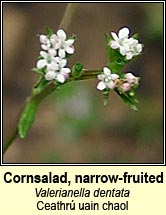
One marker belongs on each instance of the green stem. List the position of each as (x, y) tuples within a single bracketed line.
[(65, 22), (10, 140), (87, 74)]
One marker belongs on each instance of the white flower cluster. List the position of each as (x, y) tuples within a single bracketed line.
[(107, 80), (53, 55), (128, 47)]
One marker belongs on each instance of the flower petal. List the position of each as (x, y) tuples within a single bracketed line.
[(43, 39), (123, 50), (44, 47), (111, 85), (65, 70), (70, 49), (101, 77), (139, 47), (114, 35), (123, 33), (114, 44), (126, 44), (41, 63), (60, 78), (69, 42), (61, 34), (126, 87), (132, 41), (114, 76), (107, 71), (53, 66), (50, 75), (101, 85), (129, 56), (52, 52), (63, 62), (131, 78), (53, 38), (61, 53), (43, 54)]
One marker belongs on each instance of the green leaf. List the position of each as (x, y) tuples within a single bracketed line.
[(136, 36), (35, 69), (38, 71), (68, 55), (39, 57), (27, 118), (39, 86), (49, 31), (116, 60), (77, 70), (128, 99)]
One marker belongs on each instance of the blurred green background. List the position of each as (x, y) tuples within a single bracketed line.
[(72, 125)]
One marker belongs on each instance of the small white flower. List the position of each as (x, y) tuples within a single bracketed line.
[(48, 43), (53, 55), (123, 33), (63, 74), (133, 48), (139, 47), (107, 80), (128, 47), (64, 46), (61, 53), (53, 40), (44, 39), (118, 39), (45, 42), (50, 75), (52, 52), (47, 60), (60, 63), (129, 55)]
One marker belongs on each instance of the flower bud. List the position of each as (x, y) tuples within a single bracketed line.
[(77, 70), (43, 39), (126, 87), (131, 79)]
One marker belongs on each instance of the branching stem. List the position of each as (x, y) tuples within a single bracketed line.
[(87, 74), (65, 22)]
